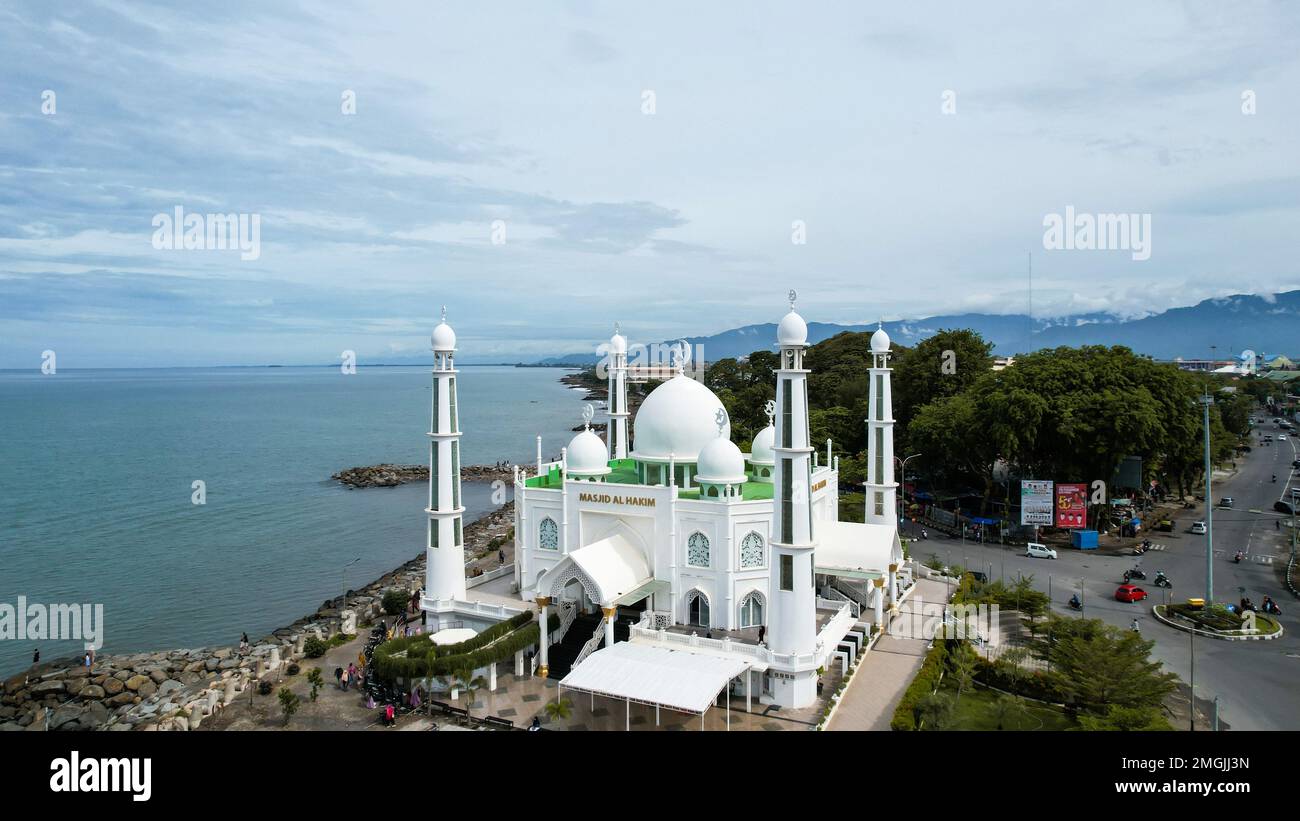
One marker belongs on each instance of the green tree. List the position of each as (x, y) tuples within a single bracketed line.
[(935, 711), (559, 709), (395, 601), (316, 682), (289, 704), (1130, 719), (943, 365), (468, 682), (1099, 665)]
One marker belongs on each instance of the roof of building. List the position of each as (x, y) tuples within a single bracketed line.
[(647, 674), (613, 564), (854, 548), (586, 455)]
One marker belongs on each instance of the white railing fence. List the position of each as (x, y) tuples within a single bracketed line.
[(592, 643)]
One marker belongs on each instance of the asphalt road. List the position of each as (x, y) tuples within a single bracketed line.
[(1256, 681)]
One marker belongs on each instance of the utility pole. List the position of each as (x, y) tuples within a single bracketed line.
[(1206, 401), (1191, 695)]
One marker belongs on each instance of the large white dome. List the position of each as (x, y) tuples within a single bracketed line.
[(678, 417), (760, 451), (792, 330), (721, 462), (586, 455)]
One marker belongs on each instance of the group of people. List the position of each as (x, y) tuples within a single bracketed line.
[(349, 677)]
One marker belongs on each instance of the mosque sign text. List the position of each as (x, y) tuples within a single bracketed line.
[(610, 499)]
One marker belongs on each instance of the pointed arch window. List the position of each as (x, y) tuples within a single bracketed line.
[(751, 551), (697, 550), (548, 535)]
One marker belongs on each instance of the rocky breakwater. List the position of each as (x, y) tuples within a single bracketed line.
[(387, 475), (180, 689)]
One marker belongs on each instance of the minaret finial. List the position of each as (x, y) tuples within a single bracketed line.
[(793, 296), (721, 418), (444, 313), (618, 327), (587, 413), (770, 409)]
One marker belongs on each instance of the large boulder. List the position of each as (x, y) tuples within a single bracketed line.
[(134, 683), (146, 689), (158, 675), (66, 714), (113, 686), (168, 686), (92, 691), (47, 687)]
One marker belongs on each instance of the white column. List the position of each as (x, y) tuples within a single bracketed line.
[(880, 603), (544, 642), (881, 489), (609, 624), (893, 585)]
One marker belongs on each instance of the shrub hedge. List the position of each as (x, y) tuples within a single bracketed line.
[(423, 658), (927, 678)]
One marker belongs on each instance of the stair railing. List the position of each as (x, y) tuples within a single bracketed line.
[(592, 643)]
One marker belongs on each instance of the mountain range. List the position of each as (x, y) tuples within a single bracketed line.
[(1220, 328)]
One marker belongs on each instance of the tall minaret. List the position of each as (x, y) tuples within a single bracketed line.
[(880, 485), (445, 568), (792, 624), (616, 430)]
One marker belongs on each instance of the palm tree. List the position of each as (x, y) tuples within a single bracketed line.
[(561, 708), (467, 681)]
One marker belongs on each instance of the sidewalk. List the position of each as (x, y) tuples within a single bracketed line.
[(877, 687)]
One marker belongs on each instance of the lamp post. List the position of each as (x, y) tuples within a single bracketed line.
[(902, 496), (343, 600), (1206, 401)]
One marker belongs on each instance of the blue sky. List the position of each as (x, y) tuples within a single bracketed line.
[(677, 222)]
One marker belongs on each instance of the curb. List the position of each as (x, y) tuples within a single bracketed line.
[(1155, 611)]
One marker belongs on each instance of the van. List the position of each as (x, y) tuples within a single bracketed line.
[(1039, 551)]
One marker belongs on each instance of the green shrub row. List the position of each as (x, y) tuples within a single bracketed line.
[(423, 658), (927, 679)]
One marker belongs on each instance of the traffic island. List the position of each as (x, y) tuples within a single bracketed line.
[(1216, 622)]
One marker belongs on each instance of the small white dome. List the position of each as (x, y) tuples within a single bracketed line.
[(721, 462), (880, 341), (792, 330), (443, 338), (760, 451), (618, 343), (587, 455), (678, 417)]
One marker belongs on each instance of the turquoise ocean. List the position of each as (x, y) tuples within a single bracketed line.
[(96, 474)]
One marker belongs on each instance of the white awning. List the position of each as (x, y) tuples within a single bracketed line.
[(678, 680), (613, 565), (855, 550)]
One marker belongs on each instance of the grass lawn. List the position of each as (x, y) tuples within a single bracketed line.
[(976, 712)]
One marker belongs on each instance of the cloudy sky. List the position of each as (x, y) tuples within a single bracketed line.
[(536, 116)]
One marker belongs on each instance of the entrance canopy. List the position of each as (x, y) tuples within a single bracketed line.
[(676, 679), (854, 550), (610, 569)]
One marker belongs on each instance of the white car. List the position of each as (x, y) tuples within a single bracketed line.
[(1281, 437), (1039, 551), (1198, 528)]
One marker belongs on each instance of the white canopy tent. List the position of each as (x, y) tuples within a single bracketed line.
[(676, 679), (856, 550)]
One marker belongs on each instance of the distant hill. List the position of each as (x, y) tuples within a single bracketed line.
[(1267, 324)]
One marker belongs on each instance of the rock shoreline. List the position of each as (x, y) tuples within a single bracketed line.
[(180, 689), (389, 475)]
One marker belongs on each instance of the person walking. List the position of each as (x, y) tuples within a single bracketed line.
[(762, 631), (1135, 626), (338, 677), (243, 643), (36, 655), (352, 674), (501, 557)]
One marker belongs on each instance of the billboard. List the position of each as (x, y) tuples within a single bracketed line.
[(1036, 502), (1071, 505)]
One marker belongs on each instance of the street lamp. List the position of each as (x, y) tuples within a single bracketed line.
[(343, 600), (902, 496), (1206, 401)]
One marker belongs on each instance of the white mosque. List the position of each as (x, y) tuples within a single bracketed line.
[(680, 565)]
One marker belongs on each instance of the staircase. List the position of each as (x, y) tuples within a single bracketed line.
[(561, 656)]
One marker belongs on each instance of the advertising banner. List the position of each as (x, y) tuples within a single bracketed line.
[(1071, 505), (1036, 502)]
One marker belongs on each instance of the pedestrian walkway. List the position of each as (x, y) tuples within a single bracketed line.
[(884, 674)]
